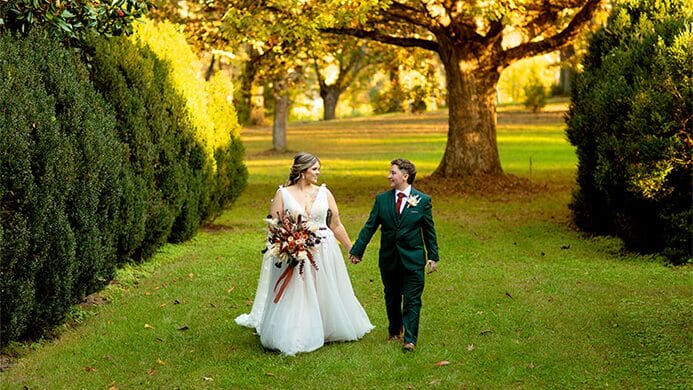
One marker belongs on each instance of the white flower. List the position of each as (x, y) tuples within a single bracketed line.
[(413, 200)]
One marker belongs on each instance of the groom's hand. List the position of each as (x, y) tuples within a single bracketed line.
[(354, 259), (431, 266)]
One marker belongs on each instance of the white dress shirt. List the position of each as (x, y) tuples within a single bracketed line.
[(406, 193)]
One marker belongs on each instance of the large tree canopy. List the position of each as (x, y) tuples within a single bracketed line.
[(475, 40)]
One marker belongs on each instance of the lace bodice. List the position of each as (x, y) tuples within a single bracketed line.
[(318, 209)]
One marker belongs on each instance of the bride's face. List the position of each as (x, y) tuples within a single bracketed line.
[(311, 174)]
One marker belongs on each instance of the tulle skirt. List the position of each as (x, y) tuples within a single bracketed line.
[(317, 306)]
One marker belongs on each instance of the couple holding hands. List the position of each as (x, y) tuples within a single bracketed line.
[(318, 304)]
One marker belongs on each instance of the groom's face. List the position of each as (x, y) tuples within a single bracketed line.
[(398, 179)]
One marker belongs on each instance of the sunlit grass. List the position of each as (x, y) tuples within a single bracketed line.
[(522, 300)]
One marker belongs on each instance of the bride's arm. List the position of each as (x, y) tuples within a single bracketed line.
[(336, 226), (277, 204)]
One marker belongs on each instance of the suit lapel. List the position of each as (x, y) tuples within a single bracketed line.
[(391, 207)]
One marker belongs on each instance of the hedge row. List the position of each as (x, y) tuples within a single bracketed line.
[(99, 166), (630, 119)]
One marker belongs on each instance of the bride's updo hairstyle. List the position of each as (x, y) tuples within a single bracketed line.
[(302, 161)]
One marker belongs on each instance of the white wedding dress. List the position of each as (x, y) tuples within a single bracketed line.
[(317, 306)]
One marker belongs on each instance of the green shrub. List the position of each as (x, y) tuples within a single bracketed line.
[(153, 126), (630, 118), (59, 180), (535, 94), (180, 132), (209, 110), (89, 179)]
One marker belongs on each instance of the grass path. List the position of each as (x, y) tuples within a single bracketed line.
[(521, 300)]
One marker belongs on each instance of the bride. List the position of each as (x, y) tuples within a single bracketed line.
[(316, 305)]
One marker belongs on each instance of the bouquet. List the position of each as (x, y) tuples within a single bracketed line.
[(290, 238)]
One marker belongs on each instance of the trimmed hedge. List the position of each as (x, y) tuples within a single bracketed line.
[(60, 172), (630, 119), (99, 168)]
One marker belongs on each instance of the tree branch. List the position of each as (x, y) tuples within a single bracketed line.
[(384, 38), (554, 42)]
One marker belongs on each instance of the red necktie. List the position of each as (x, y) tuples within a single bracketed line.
[(398, 205)]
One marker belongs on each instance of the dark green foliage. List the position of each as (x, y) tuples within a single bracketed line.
[(72, 20), (630, 118), (96, 169), (168, 164), (60, 166)]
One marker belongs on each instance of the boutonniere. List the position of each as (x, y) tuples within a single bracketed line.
[(413, 200)]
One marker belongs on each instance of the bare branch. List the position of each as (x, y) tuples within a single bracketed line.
[(384, 38), (554, 42)]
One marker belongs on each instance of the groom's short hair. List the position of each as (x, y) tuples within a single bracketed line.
[(406, 166)]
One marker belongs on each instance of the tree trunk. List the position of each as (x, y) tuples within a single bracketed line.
[(330, 96), (210, 69), (471, 148), (243, 96), (567, 71), (281, 117)]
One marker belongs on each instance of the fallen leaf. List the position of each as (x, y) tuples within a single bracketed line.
[(147, 326), (508, 294), (90, 369), (207, 378), (190, 275), (159, 361), (113, 387), (231, 289), (470, 347), (565, 246), (485, 331), (151, 371), (269, 374), (531, 365), (442, 363), (184, 327)]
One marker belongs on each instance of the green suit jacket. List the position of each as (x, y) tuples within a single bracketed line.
[(409, 237)]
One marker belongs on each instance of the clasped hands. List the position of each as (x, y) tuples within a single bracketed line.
[(354, 259)]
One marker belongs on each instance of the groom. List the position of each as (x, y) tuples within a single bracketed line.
[(406, 227)]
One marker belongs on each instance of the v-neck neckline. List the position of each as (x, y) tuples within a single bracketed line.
[(308, 210)]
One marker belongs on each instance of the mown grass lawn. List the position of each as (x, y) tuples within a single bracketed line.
[(521, 299)]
